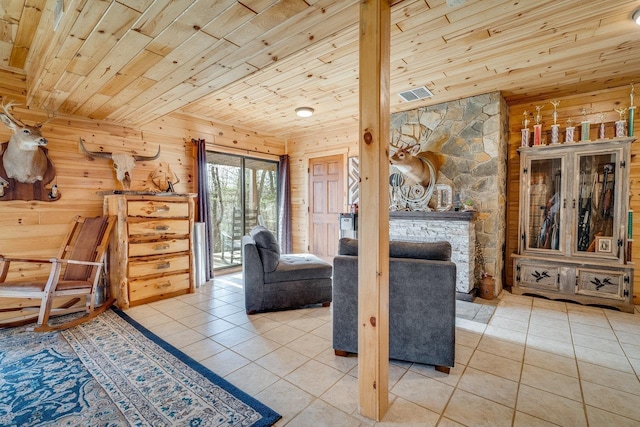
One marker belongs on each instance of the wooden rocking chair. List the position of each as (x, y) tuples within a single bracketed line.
[(74, 275)]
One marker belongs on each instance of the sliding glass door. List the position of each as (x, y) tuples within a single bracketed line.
[(243, 194)]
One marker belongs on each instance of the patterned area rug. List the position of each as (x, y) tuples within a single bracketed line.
[(111, 371)]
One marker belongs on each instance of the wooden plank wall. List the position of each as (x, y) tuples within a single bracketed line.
[(300, 150), (37, 228), (605, 101)]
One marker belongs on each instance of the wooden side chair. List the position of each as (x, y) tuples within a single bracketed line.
[(74, 274)]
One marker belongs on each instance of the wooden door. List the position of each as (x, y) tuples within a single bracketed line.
[(325, 203)]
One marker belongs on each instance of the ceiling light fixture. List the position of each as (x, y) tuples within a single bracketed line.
[(304, 111), (636, 16)]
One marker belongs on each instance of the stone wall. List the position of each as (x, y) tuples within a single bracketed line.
[(470, 138)]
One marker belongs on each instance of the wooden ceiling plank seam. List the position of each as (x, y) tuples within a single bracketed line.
[(27, 28), (198, 45), (130, 73), (131, 44), (276, 14), (159, 15), (75, 26), (253, 49), (193, 95), (179, 75), (234, 16), (134, 89), (181, 30), (113, 26), (310, 27)]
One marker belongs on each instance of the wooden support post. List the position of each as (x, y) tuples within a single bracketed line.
[(373, 256)]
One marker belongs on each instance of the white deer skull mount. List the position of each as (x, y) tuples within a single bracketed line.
[(123, 163)]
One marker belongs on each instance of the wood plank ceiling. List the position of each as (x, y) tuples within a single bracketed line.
[(250, 63)]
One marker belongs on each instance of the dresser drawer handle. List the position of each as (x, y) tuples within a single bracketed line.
[(162, 227), (164, 208), (163, 266), (162, 247), (163, 285)]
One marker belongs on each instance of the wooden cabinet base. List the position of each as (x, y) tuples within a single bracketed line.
[(578, 299)]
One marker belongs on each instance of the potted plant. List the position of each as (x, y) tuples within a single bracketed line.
[(468, 205)]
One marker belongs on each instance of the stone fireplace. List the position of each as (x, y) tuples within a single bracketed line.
[(470, 136), (457, 228)]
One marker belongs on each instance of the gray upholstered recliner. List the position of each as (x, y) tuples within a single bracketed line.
[(276, 282), (422, 302)]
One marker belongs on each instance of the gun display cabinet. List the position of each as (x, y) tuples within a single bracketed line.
[(575, 224)]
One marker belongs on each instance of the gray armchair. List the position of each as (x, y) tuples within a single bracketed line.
[(422, 306), (277, 282)]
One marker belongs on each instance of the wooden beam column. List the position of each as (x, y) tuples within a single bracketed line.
[(373, 254)]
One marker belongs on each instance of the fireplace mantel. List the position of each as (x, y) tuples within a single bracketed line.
[(457, 228), (434, 215)]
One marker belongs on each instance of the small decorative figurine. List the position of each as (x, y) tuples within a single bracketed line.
[(569, 131), (621, 123), (525, 130), (537, 128), (555, 127), (584, 131), (601, 127), (632, 109)]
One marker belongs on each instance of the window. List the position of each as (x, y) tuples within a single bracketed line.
[(243, 194)]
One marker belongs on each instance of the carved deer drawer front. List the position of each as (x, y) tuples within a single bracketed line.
[(151, 254)]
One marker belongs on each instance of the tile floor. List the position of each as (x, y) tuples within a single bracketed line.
[(531, 362)]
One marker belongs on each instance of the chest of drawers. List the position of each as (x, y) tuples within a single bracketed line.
[(151, 253)]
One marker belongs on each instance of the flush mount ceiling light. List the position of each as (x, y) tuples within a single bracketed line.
[(636, 16), (304, 111)]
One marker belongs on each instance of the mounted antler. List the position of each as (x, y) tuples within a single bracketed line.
[(23, 160), (123, 163), (420, 167)]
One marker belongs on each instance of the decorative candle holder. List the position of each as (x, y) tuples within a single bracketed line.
[(525, 131), (537, 135), (555, 134), (601, 127), (525, 137), (584, 131), (555, 127), (632, 109), (569, 132), (621, 123), (537, 128)]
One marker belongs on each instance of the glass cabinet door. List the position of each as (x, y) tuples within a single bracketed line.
[(595, 205), (544, 204)]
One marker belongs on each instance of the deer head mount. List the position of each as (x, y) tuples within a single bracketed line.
[(23, 160), (419, 167), (123, 163)]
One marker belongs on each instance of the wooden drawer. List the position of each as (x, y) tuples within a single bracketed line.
[(147, 288), (158, 209), (160, 265), (158, 247), (158, 227)]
